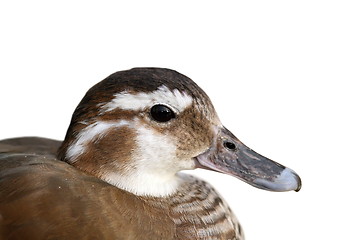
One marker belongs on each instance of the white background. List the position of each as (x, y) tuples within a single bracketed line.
[(283, 76)]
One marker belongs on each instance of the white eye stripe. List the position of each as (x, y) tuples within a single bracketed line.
[(139, 101), (89, 133)]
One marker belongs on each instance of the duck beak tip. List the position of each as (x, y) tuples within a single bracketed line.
[(288, 180)]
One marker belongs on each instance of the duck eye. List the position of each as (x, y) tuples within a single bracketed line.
[(161, 113)]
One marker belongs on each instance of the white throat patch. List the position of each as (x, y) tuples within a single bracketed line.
[(139, 101)]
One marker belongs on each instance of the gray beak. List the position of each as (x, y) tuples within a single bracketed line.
[(229, 155)]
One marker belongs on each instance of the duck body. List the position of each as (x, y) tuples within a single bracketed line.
[(117, 173), (61, 199)]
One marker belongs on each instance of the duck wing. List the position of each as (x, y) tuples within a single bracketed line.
[(44, 198)]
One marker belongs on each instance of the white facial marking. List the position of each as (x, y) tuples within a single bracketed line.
[(155, 168), (154, 164), (94, 131), (139, 101)]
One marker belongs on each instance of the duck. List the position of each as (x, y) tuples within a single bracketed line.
[(118, 172)]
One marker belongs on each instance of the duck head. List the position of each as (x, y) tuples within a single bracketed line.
[(137, 129)]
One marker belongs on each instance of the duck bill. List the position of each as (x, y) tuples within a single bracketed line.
[(230, 156)]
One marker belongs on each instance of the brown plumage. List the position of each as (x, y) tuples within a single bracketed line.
[(64, 203), (115, 176)]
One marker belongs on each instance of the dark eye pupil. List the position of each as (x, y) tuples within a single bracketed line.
[(161, 113)]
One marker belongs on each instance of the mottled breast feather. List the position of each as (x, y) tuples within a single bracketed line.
[(199, 212)]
